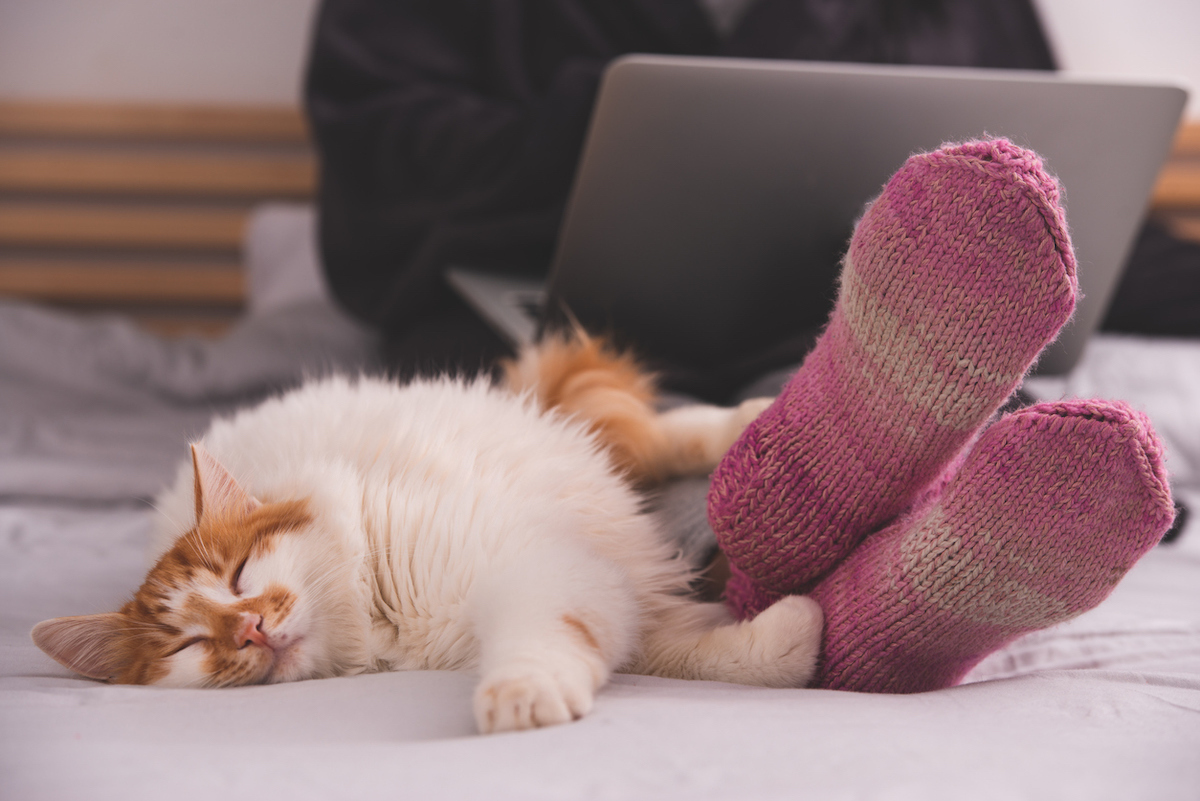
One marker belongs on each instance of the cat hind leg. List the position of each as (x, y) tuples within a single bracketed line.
[(695, 437), (701, 641)]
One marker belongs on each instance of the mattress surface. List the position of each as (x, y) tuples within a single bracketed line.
[(95, 416)]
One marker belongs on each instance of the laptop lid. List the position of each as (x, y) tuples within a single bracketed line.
[(716, 196)]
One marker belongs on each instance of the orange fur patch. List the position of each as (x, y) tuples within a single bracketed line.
[(585, 377), (581, 629)]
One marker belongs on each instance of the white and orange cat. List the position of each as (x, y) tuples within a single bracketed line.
[(353, 526)]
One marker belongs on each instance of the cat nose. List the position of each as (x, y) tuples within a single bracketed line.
[(249, 631)]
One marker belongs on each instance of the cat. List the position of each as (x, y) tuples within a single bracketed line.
[(359, 525)]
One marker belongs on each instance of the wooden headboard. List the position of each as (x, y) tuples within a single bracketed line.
[(1177, 196), (141, 209)]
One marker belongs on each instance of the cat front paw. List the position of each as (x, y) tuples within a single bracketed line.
[(529, 696)]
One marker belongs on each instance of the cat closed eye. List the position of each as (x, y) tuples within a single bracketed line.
[(189, 644), (237, 577)]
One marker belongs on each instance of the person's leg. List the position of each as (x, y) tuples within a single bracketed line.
[(956, 277), (1049, 510)]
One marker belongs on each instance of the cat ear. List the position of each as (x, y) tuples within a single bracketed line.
[(217, 493), (86, 644)]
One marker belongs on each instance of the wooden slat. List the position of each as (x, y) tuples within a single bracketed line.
[(1178, 187), (78, 226), (1187, 141), (84, 282), (71, 174), (171, 326), (171, 123), (137, 174)]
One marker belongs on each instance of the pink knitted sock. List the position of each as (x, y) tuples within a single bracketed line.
[(956, 277), (747, 598), (1050, 509)]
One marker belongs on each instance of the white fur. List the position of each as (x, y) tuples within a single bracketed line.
[(185, 669), (459, 527)]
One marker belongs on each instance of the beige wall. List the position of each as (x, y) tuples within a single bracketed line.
[(240, 51), (253, 50), (1136, 38)]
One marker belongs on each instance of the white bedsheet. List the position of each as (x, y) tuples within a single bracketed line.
[(1105, 707), (93, 415)]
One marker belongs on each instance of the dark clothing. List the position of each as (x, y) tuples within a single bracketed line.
[(449, 130), (1160, 291)]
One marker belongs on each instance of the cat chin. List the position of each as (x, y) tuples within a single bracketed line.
[(290, 664)]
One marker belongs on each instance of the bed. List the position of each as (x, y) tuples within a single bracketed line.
[(95, 414)]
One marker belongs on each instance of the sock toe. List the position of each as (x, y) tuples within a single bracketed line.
[(1051, 508), (1115, 422)]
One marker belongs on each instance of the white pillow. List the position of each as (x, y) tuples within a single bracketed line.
[(280, 254)]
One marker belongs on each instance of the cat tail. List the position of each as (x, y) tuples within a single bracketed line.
[(587, 378)]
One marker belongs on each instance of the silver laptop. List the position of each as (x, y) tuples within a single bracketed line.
[(715, 196)]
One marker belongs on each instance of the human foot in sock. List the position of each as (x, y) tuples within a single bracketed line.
[(956, 277), (1049, 510)]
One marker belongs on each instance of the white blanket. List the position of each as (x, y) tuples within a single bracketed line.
[(1106, 707), (93, 416)]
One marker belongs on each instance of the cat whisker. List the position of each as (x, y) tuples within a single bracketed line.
[(170, 518)]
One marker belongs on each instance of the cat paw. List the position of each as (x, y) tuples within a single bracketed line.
[(744, 414), (531, 696), (788, 637), (746, 411)]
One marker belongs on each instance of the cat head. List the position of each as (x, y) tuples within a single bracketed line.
[(236, 600)]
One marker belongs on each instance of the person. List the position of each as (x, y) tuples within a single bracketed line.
[(449, 132)]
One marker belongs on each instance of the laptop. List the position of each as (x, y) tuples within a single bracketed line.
[(715, 196)]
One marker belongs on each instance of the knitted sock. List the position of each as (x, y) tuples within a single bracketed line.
[(747, 598), (956, 277), (1050, 509)]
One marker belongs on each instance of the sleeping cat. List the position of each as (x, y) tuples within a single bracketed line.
[(358, 525)]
